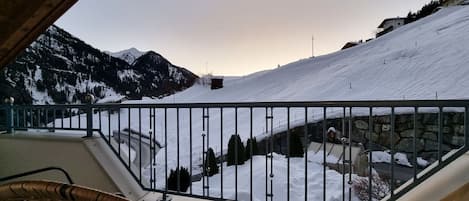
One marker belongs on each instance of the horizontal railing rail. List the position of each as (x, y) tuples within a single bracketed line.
[(202, 150)]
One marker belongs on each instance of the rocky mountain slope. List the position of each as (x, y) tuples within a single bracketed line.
[(59, 68)]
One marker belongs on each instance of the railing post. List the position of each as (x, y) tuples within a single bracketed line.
[(89, 115), (466, 127), (9, 114)]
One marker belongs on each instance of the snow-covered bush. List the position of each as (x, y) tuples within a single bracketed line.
[(235, 155), (379, 188), (296, 147), (210, 165), (255, 150)]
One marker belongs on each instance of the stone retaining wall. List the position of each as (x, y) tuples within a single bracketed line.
[(427, 130)]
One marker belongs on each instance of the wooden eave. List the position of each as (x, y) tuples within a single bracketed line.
[(22, 21)]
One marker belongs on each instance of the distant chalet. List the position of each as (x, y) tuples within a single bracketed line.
[(216, 83), (389, 25)]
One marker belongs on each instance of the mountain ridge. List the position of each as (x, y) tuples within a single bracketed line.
[(61, 68), (128, 55)]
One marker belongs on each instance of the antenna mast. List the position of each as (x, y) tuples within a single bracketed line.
[(312, 45)]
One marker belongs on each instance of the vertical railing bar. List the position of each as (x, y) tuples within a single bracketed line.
[(190, 146), (139, 142), (17, 114), (221, 150), (208, 146), (271, 153), (267, 146), (166, 152), (343, 151), (18, 119), (24, 118), (109, 125), (128, 136), (350, 154), (177, 151), (414, 142), (41, 119), (392, 152), (38, 117), (31, 114), (70, 117), (370, 152), (15, 117), (203, 151), (236, 154), (119, 131), (288, 153), (251, 153), (440, 135), (54, 116), (306, 152), (152, 146), (324, 162), (79, 118), (62, 118), (46, 110), (466, 127), (31, 118), (100, 123)]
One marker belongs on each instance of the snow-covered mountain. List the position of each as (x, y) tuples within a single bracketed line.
[(426, 59), (60, 68), (128, 55)]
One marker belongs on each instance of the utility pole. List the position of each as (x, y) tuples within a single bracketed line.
[(312, 45)]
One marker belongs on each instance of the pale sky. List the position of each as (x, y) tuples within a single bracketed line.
[(230, 37)]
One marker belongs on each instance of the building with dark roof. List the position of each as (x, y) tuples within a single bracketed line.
[(389, 25)]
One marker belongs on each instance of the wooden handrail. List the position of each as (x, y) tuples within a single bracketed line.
[(51, 190)]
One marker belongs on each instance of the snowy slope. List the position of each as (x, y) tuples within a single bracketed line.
[(128, 55), (421, 60)]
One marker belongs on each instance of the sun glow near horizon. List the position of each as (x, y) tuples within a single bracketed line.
[(229, 37)]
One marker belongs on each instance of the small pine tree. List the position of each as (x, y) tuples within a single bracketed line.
[(235, 146), (184, 179), (296, 147), (210, 166), (255, 150)]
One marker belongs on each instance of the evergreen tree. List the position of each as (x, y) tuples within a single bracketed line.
[(184, 179), (235, 146), (210, 165), (255, 150), (296, 147)]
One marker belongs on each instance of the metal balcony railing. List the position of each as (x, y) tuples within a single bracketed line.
[(153, 140)]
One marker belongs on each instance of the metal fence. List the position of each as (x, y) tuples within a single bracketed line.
[(153, 140)]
